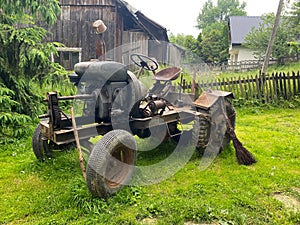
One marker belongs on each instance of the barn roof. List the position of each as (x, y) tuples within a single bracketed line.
[(240, 26), (152, 28)]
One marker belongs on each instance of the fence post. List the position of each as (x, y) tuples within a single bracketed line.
[(275, 86), (241, 88), (294, 83), (289, 85), (271, 84), (224, 84), (298, 82), (285, 85), (266, 90), (258, 86)]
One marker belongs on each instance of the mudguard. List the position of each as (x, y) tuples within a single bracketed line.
[(209, 98)]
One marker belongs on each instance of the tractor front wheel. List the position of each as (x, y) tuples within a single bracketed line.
[(111, 163)]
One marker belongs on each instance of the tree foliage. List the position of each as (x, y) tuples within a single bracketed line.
[(187, 41), (220, 13), (295, 18), (191, 44), (11, 123), (213, 24), (295, 26), (24, 60), (45, 10), (214, 45), (257, 40)]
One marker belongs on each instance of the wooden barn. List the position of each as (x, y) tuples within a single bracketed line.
[(128, 30)]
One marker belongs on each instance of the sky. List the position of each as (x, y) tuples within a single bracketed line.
[(180, 17)]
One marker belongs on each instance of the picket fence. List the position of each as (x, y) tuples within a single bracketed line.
[(267, 89)]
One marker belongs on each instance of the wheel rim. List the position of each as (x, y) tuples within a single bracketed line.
[(119, 167)]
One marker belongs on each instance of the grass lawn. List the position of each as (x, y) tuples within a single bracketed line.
[(268, 192)]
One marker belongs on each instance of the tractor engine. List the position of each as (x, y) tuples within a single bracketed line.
[(113, 88)]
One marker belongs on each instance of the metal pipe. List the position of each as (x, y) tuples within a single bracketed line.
[(73, 97)]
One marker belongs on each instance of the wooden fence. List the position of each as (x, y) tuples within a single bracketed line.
[(247, 65), (267, 89), (240, 66)]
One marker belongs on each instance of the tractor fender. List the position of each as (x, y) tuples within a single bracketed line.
[(208, 98)]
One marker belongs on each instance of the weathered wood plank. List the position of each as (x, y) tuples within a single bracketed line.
[(285, 85), (250, 89), (294, 83), (289, 86), (241, 88), (275, 87), (266, 90), (271, 88), (298, 82), (74, 34)]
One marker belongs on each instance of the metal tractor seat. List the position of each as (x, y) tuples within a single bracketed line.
[(171, 73), (102, 70)]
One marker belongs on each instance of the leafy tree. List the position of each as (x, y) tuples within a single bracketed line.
[(191, 44), (17, 10), (24, 59), (208, 15), (220, 13), (295, 26), (179, 39), (214, 45), (213, 24), (257, 40), (11, 123), (295, 18)]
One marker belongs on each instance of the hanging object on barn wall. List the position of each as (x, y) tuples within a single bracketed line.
[(100, 28)]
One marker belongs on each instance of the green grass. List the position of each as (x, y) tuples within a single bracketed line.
[(54, 192)]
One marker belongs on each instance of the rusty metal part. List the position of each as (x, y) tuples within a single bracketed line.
[(75, 97), (65, 135), (157, 107), (210, 97), (166, 74), (53, 109)]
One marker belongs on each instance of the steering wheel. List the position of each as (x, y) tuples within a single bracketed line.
[(144, 61)]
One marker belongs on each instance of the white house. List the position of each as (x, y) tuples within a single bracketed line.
[(239, 27)]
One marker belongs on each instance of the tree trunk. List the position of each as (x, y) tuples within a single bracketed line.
[(272, 38)]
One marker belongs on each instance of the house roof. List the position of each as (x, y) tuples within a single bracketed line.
[(153, 29), (240, 26)]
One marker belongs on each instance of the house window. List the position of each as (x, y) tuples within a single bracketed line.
[(67, 57)]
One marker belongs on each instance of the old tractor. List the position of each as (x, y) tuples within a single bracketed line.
[(112, 102)]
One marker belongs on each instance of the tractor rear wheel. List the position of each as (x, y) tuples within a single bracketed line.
[(111, 163), (40, 144), (212, 120), (201, 132)]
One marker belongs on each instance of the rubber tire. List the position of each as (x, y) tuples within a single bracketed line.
[(201, 133), (99, 163), (40, 145), (201, 128)]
